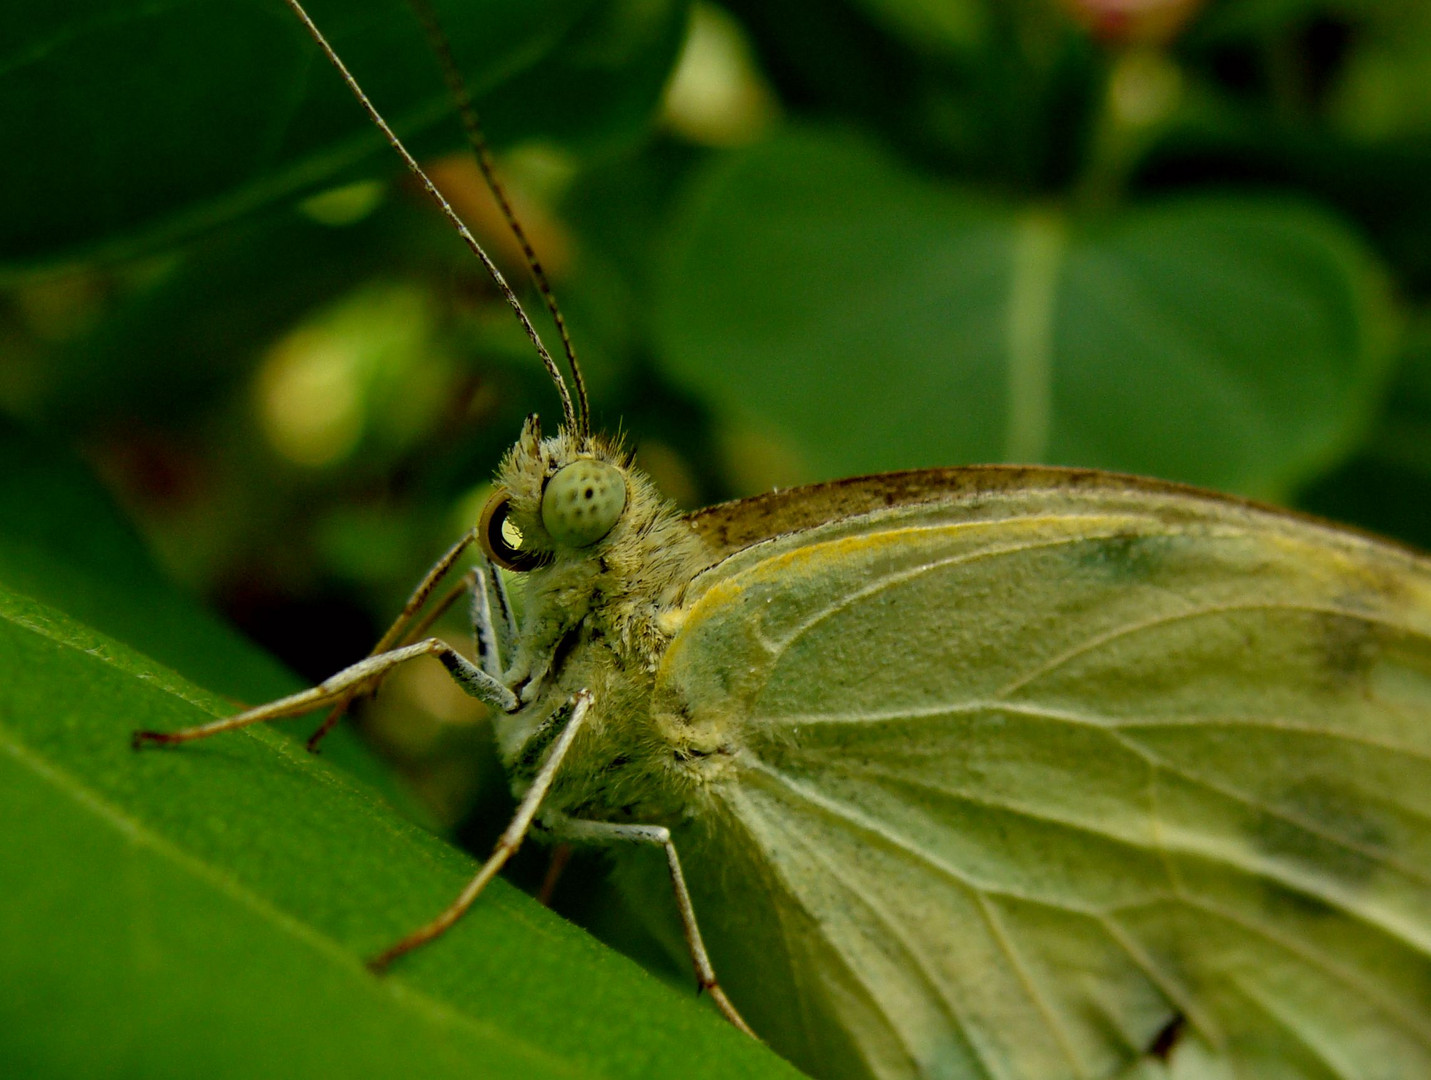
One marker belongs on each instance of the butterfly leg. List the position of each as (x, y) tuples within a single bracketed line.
[(604, 832), (490, 612), (419, 597), (507, 844), (343, 685)]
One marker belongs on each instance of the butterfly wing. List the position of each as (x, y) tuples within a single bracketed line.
[(1041, 780)]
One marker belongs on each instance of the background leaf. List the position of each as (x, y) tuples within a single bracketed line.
[(946, 327), (132, 123), (63, 542)]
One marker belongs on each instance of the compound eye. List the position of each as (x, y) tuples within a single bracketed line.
[(501, 539), (583, 501)]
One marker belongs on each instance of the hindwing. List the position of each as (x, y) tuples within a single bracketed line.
[(1039, 781)]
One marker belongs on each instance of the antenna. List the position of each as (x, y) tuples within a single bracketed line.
[(457, 87), (569, 414)]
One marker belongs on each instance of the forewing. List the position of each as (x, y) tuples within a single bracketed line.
[(1042, 782)]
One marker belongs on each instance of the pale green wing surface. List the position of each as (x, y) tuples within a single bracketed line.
[(1069, 780)]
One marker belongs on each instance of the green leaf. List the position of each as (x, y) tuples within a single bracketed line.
[(205, 912), (1386, 487), (932, 24), (130, 123), (1381, 87), (64, 543), (605, 80), (880, 321)]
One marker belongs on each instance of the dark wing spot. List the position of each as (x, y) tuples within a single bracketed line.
[(1325, 831), (1349, 648), (1167, 1038), (1124, 558)]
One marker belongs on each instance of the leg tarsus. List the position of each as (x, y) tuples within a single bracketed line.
[(399, 628), (346, 684), (660, 836), (329, 723), (506, 845), (140, 739), (561, 855), (490, 613)]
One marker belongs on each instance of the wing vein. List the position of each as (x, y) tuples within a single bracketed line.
[(1268, 1005), (1007, 805), (838, 809), (1369, 991), (943, 710), (1098, 641), (1165, 983), (947, 1005), (751, 812), (1001, 937), (881, 582), (1375, 854)]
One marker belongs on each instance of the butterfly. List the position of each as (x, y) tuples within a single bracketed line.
[(980, 772)]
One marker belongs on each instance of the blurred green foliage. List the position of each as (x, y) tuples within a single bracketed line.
[(794, 239)]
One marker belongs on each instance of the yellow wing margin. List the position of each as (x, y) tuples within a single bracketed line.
[(1054, 780)]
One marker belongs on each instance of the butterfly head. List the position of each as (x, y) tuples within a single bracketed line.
[(558, 498), (603, 548)]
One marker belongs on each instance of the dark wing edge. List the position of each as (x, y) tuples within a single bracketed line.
[(730, 527)]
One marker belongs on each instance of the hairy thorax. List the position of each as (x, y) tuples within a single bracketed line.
[(602, 624)]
